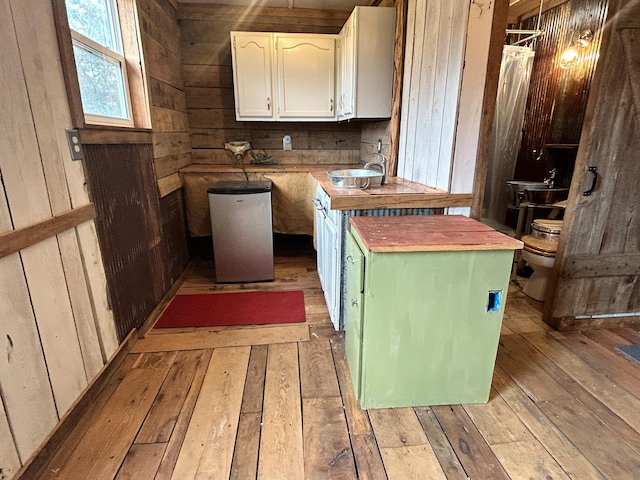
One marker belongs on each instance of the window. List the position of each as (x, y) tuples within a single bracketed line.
[(100, 61)]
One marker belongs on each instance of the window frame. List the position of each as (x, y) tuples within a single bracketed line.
[(136, 87)]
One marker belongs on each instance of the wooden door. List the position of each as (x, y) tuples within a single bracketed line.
[(595, 282)]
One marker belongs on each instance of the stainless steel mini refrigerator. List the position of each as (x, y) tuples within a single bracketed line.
[(242, 231)]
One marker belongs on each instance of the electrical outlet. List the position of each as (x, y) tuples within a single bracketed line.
[(494, 301), (75, 147)]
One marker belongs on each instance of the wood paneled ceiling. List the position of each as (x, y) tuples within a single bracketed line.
[(315, 4), (522, 9)]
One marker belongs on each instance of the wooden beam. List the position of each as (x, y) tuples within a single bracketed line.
[(489, 105), (68, 63), (602, 266), (167, 185), (398, 73), (16, 240), (520, 10), (111, 135)]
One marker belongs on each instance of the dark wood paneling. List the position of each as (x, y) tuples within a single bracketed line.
[(172, 213), (208, 78), (557, 97), (123, 189)]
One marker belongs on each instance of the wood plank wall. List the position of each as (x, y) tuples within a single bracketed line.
[(206, 67), (158, 20), (558, 98), (434, 55), (160, 36), (56, 327), (444, 108)]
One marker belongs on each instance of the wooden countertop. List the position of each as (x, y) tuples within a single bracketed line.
[(398, 193), (286, 168), (429, 234)]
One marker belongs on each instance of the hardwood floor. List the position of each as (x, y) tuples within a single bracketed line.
[(276, 402)]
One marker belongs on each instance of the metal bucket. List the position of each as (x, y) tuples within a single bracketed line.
[(516, 189), (548, 230)]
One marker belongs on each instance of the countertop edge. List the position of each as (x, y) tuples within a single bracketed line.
[(421, 196)]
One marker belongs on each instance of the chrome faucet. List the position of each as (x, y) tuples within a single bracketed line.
[(382, 163)]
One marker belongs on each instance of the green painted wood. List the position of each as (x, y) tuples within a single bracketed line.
[(353, 310), (426, 337)]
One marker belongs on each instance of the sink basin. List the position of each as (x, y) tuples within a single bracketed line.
[(355, 178)]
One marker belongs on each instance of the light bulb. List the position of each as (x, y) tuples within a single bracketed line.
[(569, 58)]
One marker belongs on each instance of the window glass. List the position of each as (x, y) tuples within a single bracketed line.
[(100, 64), (101, 83), (97, 20)]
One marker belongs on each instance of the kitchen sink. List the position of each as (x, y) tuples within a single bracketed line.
[(355, 178)]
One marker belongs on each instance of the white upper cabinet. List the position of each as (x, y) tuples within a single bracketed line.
[(286, 77), (346, 69), (367, 42), (252, 55), (292, 76), (306, 76)]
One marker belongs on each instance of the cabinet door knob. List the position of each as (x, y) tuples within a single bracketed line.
[(354, 303), (269, 103), (350, 259)]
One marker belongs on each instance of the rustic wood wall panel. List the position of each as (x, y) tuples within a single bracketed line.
[(557, 97), (163, 61), (206, 68), (122, 186), (174, 232), (430, 92), (57, 328), (445, 72), (599, 250), (475, 107)]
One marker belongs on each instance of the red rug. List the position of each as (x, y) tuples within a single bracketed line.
[(243, 308)]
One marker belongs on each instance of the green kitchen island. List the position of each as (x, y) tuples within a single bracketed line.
[(424, 302)]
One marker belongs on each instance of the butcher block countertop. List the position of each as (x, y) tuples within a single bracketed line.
[(429, 233), (398, 193)]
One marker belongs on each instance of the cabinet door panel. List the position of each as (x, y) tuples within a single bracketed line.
[(332, 292), (347, 67), (306, 70), (252, 59), (353, 308)]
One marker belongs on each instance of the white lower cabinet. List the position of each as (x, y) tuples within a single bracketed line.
[(329, 248)]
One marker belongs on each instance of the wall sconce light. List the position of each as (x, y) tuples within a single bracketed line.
[(571, 55)]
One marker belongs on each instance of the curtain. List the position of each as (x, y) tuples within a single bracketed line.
[(513, 88)]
